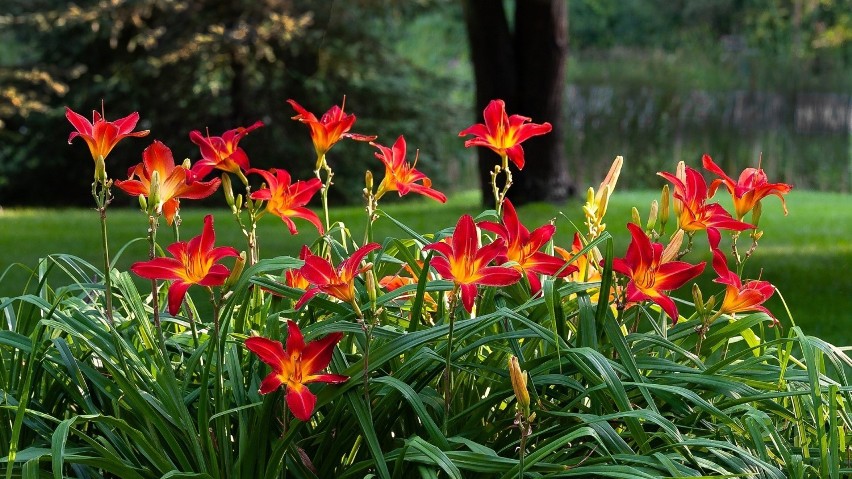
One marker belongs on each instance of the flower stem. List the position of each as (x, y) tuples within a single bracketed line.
[(103, 197), (153, 223), (448, 371)]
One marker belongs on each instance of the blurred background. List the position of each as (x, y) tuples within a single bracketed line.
[(656, 81)]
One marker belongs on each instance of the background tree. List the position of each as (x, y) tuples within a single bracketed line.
[(521, 58)]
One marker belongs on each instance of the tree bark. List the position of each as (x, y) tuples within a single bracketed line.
[(525, 68)]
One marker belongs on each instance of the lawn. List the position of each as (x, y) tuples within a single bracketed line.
[(807, 254)]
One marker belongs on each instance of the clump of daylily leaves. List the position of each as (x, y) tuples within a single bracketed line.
[(441, 280)]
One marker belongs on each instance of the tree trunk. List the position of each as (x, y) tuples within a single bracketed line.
[(525, 68)]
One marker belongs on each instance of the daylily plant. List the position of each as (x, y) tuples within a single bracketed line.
[(222, 152), (193, 262), (503, 133), (522, 248), (747, 192), (296, 367), (162, 183), (287, 200), (651, 274), (464, 262), (402, 177)]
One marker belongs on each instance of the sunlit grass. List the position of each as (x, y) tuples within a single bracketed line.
[(806, 254)]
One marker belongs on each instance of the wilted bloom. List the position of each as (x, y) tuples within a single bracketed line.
[(522, 247), (401, 176), (193, 262), (694, 214), (339, 282), (651, 276), (287, 200), (466, 263), (749, 190), (169, 184), (329, 129), (296, 367), (503, 133), (739, 297), (102, 135), (222, 152)]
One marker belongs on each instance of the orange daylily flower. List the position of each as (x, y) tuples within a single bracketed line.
[(399, 280), (401, 176), (329, 129), (193, 262), (749, 190), (522, 247), (296, 367), (339, 282), (102, 135), (651, 276), (294, 277), (503, 133), (172, 182), (222, 152), (287, 200), (739, 297), (466, 263), (587, 270), (690, 203)]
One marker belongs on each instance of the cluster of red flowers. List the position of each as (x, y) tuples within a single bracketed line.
[(651, 269)]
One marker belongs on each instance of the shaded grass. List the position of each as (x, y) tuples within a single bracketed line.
[(807, 255)]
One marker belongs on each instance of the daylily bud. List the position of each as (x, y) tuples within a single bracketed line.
[(634, 217), (370, 280), (236, 272), (238, 201), (652, 216), (698, 299), (100, 170), (664, 207), (757, 235), (143, 203), (154, 194), (755, 214), (672, 249), (519, 385), (368, 180), (711, 301), (229, 192)]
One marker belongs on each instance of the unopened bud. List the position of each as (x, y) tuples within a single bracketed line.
[(368, 180), (711, 301), (154, 194), (652, 216), (634, 217), (698, 299), (756, 235), (755, 214), (143, 203), (519, 385), (664, 207), (229, 191), (671, 250), (236, 272), (370, 280), (238, 202)]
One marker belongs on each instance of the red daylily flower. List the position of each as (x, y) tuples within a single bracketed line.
[(287, 200), (523, 247), (739, 297), (651, 276), (294, 277), (749, 190), (466, 263), (173, 182), (222, 152), (329, 129), (296, 367), (502, 133), (339, 282), (102, 135), (401, 176), (194, 262), (690, 204)]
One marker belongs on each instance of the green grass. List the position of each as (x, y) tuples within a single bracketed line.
[(807, 254)]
